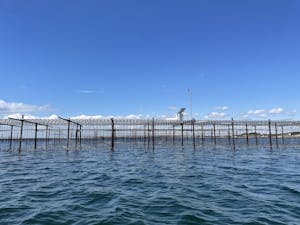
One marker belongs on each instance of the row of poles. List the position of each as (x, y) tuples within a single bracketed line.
[(36, 124), (150, 129)]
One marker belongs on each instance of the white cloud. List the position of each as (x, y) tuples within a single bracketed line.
[(222, 108), (256, 112), (215, 115), (131, 116), (7, 108), (267, 113), (276, 111), (19, 116), (88, 117), (52, 117), (28, 116)]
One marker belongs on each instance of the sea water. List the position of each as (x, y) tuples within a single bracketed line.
[(137, 184)]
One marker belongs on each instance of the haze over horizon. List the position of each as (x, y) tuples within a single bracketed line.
[(139, 58)]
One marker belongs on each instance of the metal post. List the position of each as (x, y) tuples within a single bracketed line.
[(214, 130), (182, 134), (233, 138), (276, 135), (21, 133), (202, 134), (247, 135), (153, 132), (11, 136), (256, 136), (35, 135), (282, 135), (76, 133), (229, 139), (173, 134), (68, 134), (80, 126), (112, 134), (270, 133), (193, 130)]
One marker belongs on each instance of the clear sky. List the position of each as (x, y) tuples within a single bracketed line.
[(116, 57)]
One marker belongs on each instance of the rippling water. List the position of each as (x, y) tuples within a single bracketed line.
[(138, 185)]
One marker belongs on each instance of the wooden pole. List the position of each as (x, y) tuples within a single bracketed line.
[(270, 134)]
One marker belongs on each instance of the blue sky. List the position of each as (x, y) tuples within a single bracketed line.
[(115, 57)]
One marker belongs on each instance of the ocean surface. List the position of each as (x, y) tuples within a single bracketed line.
[(138, 184)]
